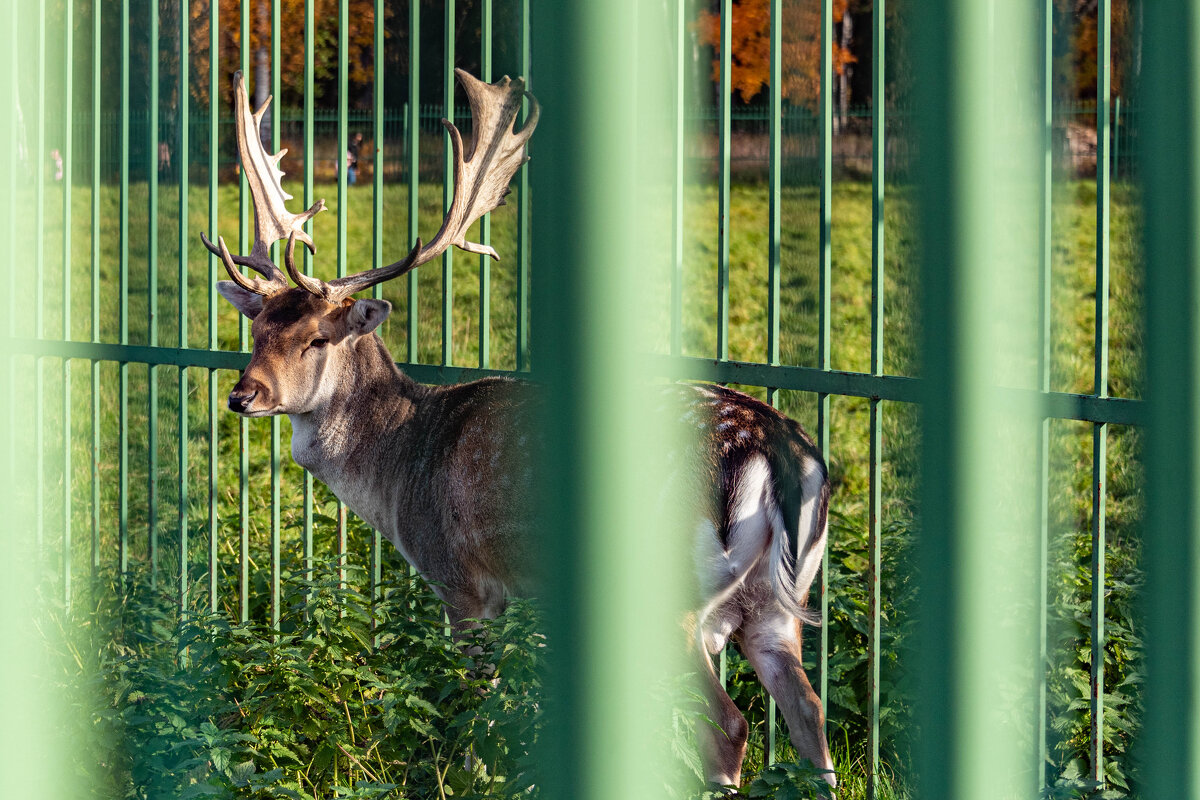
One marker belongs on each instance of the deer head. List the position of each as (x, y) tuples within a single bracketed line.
[(302, 335)]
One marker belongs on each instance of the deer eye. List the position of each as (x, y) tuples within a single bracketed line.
[(318, 343)]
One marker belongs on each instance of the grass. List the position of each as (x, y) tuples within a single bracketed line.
[(1073, 354)]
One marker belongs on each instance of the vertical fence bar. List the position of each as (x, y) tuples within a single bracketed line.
[(152, 297), (1045, 251), (448, 185), (485, 223), (523, 244), (979, 185), (183, 158), (15, 74), (774, 186), (723, 143), (824, 275), (95, 260), (309, 158), (343, 200), (214, 119), (874, 490), (67, 178), (774, 234), (1170, 164), (276, 112), (377, 247), (679, 130), (123, 367), (414, 166), (39, 310), (244, 346), (1100, 430)]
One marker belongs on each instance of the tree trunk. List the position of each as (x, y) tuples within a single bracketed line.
[(847, 70), (262, 68)]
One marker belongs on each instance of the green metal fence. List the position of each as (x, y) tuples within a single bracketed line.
[(95, 330)]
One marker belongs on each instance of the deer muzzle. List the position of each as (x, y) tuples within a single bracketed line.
[(245, 393)]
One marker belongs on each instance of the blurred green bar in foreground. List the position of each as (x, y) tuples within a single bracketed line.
[(29, 713), (1170, 746), (601, 203), (978, 135)]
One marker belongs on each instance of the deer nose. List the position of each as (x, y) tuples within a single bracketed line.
[(240, 398)]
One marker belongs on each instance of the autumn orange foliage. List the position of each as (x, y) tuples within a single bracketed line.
[(1081, 61), (360, 36), (750, 47)]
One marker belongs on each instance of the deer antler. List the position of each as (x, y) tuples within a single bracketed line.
[(481, 179), (272, 220)]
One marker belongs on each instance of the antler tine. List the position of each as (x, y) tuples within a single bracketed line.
[(256, 285), (272, 220), (481, 177), (314, 285)]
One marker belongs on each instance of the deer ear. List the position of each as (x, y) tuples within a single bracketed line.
[(246, 302), (365, 316)]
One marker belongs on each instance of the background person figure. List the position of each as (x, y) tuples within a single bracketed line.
[(352, 158)]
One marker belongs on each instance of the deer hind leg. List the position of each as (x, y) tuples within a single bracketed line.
[(771, 642), (723, 737)]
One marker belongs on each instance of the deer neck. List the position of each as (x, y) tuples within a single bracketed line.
[(370, 401)]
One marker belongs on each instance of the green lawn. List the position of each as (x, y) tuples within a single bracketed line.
[(1073, 355)]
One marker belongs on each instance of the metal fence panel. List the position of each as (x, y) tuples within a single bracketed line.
[(112, 150)]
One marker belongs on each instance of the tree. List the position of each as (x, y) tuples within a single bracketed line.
[(750, 46), (360, 38), (1077, 24)]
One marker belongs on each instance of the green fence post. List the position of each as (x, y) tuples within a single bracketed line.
[(67, 180), (244, 244), (523, 202), (725, 100), (183, 158), (276, 468), (612, 605), (1100, 388), (976, 549), (123, 367), (152, 298), (1170, 166), (95, 263), (377, 76), (874, 478), (448, 182), (309, 157), (1045, 266), (824, 299), (485, 222), (414, 168), (679, 128), (31, 761), (214, 120), (774, 235), (39, 300)]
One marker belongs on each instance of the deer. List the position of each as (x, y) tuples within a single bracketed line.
[(444, 472)]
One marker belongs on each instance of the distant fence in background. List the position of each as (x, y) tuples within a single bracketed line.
[(1074, 142)]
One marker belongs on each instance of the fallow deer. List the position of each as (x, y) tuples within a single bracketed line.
[(444, 472)]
